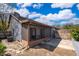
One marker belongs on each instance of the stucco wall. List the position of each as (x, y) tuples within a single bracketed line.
[(24, 32), (16, 28)]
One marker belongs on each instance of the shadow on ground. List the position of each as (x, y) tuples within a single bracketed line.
[(53, 42)]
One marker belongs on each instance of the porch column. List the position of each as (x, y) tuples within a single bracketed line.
[(28, 34), (25, 35)]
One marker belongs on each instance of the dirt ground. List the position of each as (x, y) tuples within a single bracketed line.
[(40, 50), (44, 50), (64, 34)]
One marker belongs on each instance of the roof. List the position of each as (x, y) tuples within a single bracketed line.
[(25, 20)]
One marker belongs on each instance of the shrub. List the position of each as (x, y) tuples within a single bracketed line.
[(75, 34), (2, 49), (74, 31)]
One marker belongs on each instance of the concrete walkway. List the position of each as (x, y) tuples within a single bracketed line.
[(65, 44)]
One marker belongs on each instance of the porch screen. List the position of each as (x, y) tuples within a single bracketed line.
[(33, 33)]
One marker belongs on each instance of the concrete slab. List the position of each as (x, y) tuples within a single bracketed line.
[(65, 44)]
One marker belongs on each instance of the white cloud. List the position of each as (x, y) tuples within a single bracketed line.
[(75, 20), (62, 5), (64, 22), (65, 14), (44, 21), (22, 5), (23, 12), (71, 21), (77, 6), (34, 15), (37, 5)]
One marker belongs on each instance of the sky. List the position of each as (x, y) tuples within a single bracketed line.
[(49, 13)]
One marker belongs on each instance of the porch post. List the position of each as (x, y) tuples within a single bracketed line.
[(28, 34)]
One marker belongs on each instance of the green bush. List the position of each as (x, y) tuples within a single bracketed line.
[(75, 34), (2, 49), (74, 31)]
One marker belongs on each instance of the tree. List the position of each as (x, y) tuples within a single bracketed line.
[(5, 11), (4, 24)]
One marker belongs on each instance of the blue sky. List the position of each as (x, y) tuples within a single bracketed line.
[(49, 13)]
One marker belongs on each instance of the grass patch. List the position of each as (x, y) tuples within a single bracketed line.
[(2, 49)]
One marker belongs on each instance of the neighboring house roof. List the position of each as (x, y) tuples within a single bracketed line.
[(27, 20)]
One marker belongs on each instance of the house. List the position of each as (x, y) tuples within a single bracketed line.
[(28, 31)]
